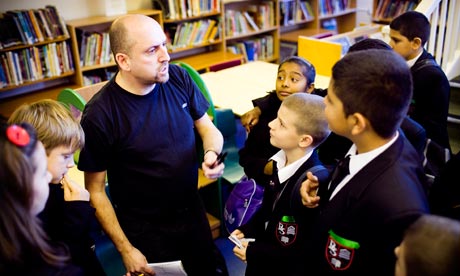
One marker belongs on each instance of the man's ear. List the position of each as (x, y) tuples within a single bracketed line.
[(123, 61)]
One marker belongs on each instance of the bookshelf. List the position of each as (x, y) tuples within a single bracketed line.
[(89, 37), (251, 29), (324, 17), (386, 10), (35, 51)]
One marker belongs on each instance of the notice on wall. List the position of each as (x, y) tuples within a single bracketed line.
[(114, 7)]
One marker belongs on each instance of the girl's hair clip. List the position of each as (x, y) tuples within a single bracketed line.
[(17, 135)]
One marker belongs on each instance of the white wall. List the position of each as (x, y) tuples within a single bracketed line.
[(72, 9)]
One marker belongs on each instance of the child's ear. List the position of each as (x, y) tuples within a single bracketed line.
[(305, 141), (416, 43), (310, 88), (359, 123)]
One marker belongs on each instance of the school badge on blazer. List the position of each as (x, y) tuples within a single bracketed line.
[(340, 251), (287, 229)]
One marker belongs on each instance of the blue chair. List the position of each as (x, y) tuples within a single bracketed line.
[(225, 122)]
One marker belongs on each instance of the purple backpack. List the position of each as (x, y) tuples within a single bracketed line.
[(244, 200)]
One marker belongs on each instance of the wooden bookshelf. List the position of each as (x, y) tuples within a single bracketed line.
[(343, 13), (79, 28), (40, 55), (385, 10)]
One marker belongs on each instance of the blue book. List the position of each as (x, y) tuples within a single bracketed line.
[(250, 49)]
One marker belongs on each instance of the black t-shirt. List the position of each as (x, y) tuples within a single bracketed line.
[(146, 143)]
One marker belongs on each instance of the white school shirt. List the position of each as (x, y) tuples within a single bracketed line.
[(285, 172), (411, 62), (358, 161)]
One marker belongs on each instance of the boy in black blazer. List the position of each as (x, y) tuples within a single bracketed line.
[(282, 224), (430, 101), (363, 219)]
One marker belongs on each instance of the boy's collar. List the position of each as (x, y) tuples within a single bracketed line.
[(412, 61)]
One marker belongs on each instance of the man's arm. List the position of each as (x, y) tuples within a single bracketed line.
[(212, 145), (133, 259)]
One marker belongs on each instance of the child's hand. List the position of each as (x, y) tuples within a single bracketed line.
[(238, 234), (251, 118), (73, 191), (241, 252), (308, 191)]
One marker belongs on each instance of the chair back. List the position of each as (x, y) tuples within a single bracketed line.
[(73, 101), (225, 122), (87, 92), (201, 85)]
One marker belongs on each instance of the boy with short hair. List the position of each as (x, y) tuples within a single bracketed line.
[(409, 32), (364, 216), (431, 246), (282, 223), (68, 216)]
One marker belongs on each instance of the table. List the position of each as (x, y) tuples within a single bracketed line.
[(237, 86)]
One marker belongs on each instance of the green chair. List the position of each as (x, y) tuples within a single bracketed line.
[(75, 103), (201, 85)]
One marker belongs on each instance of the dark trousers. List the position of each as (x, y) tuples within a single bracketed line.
[(181, 234)]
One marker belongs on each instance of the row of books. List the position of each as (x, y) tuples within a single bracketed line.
[(181, 9), (35, 63), (259, 48), (327, 7), (193, 33), (26, 27), (392, 8), (292, 12), (252, 18), (95, 48)]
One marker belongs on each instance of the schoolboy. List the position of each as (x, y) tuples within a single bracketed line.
[(295, 75), (364, 217), (68, 216), (282, 223), (431, 246), (409, 33)]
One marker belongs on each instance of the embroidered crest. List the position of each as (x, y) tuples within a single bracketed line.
[(340, 251), (286, 232)]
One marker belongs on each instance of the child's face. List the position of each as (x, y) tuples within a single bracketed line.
[(283, 133), (290, 80), (334, 112), (403, 46), (60, 160), (41, 178)]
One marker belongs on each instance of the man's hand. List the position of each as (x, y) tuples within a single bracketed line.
[(73, 191), (211, 169), (308, 191), (136, 263), (251, 118)]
